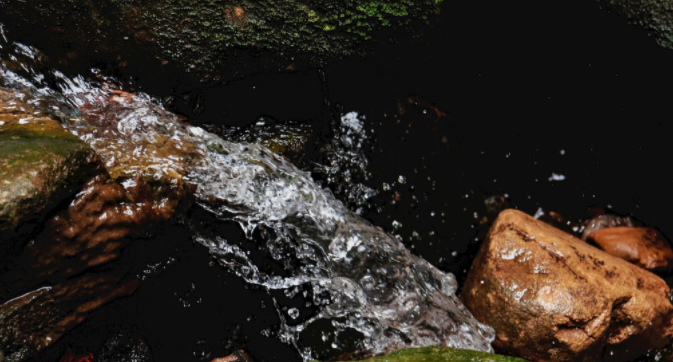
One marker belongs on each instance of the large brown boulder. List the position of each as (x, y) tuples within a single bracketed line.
[(551, 297)]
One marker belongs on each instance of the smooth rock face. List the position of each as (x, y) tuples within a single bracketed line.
[(605, 221), (642, 246), (41, 164), (551, 297)]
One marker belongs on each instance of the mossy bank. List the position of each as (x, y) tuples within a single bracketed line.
[(212, 38)]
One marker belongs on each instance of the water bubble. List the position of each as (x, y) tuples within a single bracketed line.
[(397, 224), (293, 312), (402, 180)]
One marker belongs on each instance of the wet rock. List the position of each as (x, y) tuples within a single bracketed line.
[(125, 346), (605, 221), (202, 36), (552, 297), (238, 356), (79, 252), (37, 319), (288, 139), (442, 354), (654, 16), (642, 246), (102, 220), (41, 164)]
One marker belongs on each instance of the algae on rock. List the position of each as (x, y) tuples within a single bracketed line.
[(655, 16), (41, 164), (202, 36), (442, 354)]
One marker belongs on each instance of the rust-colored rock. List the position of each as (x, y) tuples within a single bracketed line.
[(551, 297), (642, 246), (604, 221), (238, 356)]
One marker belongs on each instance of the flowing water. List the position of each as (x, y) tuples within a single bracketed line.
[(357, 277)]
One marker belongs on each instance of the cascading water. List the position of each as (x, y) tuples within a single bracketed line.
[(360, 278)]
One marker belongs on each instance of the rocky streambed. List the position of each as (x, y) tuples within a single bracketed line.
[(131, 232)]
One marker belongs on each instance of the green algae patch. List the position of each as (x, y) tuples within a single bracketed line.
[(442, 354)]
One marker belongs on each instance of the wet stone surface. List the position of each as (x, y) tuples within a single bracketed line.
[(551, 297), (645, 247), (41, 165)]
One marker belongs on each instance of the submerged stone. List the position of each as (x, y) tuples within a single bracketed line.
[(37, 319), (442, 354), (138, 186), (552, 297), (41, 164)]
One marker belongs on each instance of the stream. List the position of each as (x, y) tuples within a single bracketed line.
[(359, 277)]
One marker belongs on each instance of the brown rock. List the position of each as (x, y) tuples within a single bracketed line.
[(238, 356), (642, 246), (37, 319), (604, 221), (552, 297)]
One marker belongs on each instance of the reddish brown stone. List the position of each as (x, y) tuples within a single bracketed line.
[(642, 246), (551, 297), (238, 356)]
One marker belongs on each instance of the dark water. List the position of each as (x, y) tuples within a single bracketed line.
[(530, 89)]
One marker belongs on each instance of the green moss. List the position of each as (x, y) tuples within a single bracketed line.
[(655, 16), (204, 34), (442, 354)]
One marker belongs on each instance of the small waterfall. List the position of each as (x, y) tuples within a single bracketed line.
[(359, 277)]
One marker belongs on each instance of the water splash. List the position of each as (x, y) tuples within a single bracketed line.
[(360, 277)]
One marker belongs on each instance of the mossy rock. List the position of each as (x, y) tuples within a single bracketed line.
[(207, 35), (655, 16), (41, 164), (442, 354)]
